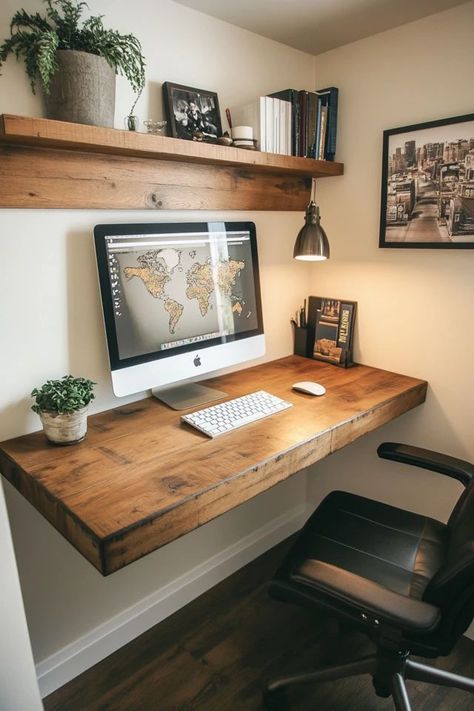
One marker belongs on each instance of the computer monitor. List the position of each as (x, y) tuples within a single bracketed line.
[(179, 300)]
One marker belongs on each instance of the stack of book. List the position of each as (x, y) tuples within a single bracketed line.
[(291, 122)]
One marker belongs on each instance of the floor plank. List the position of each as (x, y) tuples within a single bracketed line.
[(214, 654)]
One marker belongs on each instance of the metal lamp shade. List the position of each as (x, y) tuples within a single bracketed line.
[(311, 243)]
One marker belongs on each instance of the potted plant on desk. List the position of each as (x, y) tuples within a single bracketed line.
[(62, 406), (74, 61)]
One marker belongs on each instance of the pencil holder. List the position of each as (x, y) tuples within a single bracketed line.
[(302, 341)]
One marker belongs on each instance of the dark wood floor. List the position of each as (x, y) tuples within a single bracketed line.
[(214, 654)]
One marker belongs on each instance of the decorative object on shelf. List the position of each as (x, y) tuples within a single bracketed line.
[(62, 406), (242, 137), (156, 128), (74, 62), (191, 110), (331, 329), (132, 122), (428, 185), (225, 139), (228, 116), (311, 243)]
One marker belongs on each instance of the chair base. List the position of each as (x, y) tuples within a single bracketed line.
[(388, 669)]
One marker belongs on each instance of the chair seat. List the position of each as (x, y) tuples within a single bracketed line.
[(366, 555)]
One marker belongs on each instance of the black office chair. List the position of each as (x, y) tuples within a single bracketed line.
[(405, 580)]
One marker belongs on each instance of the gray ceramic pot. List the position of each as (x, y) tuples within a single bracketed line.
[(83, 90)]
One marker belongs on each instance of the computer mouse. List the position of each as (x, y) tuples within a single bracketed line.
[(306, 386)]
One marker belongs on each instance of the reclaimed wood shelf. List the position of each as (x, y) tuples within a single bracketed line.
[(54, 164), (141, 478)]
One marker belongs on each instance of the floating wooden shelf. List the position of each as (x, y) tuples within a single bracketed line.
[(53, 164)]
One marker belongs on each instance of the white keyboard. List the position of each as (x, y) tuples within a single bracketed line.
[(231, 415)]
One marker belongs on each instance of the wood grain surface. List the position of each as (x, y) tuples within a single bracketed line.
[(54, 164), (142, 478)]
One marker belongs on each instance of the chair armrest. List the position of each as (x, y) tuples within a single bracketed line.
[(367, 596), (426, 459)]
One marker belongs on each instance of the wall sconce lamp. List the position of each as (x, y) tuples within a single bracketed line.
[(312, 243)]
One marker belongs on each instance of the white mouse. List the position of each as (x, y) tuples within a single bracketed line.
[(306, 386)]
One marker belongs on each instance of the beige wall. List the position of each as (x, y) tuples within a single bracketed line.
[(51, 321), (18, 686), (415, 306)]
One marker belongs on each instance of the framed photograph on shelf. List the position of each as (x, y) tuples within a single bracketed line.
[(428, 185), (192, 111), (331, 324)]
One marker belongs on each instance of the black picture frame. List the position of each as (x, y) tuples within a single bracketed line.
[(184, 120), (427, 197)]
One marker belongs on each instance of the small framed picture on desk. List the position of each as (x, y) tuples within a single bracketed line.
[(331, 323)]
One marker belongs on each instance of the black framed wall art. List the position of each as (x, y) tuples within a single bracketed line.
[(192, 114), (428, 185)]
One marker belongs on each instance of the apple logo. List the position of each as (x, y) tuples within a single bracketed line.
[(197, 361)]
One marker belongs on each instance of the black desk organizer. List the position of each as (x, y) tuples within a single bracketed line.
[(304, 339), (305, 335)]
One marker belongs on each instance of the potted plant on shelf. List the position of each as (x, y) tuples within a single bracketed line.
[(62, 406), (74, 60)]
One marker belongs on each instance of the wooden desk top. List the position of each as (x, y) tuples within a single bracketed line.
[(142, 479)]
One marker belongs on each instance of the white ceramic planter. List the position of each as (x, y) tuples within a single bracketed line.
[(67, 428)]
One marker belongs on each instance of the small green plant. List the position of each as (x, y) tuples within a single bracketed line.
[(66, 395), (35, 39)]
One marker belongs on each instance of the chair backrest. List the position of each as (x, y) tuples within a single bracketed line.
[(452, 588)]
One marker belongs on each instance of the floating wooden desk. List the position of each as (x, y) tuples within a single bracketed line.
[(141, 479)]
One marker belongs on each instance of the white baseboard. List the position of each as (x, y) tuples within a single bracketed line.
[(83, 653)]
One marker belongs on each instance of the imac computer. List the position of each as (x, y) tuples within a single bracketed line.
[(179, 300)]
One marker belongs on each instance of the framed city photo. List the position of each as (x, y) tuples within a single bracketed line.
[(192, 114), (428, 185)]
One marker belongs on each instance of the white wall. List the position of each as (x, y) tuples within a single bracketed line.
[(18, 686), (415, 306), (50, 313)]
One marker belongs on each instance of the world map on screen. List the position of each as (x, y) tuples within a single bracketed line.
[(161, 271)]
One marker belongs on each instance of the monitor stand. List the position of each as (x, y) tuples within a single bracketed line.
[(183, 397)]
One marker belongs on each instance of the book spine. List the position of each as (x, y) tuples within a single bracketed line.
[(312, 102), (344, 339), (302, 123), (322, 135), (276, 125), (317, 140), (261, 122), (296, 125), (330, 98), (268, 124), (289, 112), (283, 148)]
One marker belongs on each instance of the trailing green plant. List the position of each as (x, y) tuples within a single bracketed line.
[(66, 395), (35, 39)]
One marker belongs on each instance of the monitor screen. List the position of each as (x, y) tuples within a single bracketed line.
[(169, 289)]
